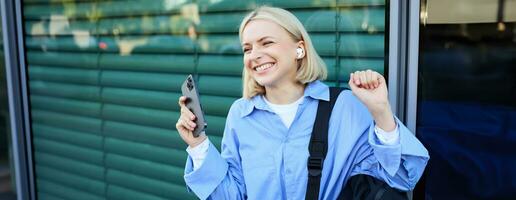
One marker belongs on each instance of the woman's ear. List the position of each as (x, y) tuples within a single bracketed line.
[(300, 53), (300, 50)]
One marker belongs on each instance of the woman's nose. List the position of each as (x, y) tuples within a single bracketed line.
[(256, 54)]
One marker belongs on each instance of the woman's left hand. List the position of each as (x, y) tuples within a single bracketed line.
[(371, 89)]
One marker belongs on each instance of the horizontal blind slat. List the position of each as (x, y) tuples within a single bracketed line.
[(148, 62), (69, 151), (69, 165), (146, 151), (63, 191), (83, 139), (63, 59), (146, 185), (67, 121), (64, 75), (141, 116), (68, 91), (141, 98), (167, 138), (148, 81), (67, 106), (76, 182), (145, 168)]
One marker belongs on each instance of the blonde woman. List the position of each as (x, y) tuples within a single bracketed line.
[(265, 143)]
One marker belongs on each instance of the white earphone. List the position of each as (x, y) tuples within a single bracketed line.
[(299, 52)]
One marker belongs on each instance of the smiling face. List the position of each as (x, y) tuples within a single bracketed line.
[(269, 53)]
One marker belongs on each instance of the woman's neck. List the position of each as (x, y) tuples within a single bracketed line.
[(285, 94)]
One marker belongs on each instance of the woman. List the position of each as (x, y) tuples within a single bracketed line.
[(265, 144)]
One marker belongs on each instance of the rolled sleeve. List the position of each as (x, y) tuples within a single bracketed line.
[(208, 176), (410, 145), (198, 153), (388, 138), (389, 156)]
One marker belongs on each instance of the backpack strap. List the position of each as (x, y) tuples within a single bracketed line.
[(318, 146)]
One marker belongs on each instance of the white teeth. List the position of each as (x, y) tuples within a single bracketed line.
[(263, 67)]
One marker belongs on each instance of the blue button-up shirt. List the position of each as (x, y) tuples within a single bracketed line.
[(263, 159)]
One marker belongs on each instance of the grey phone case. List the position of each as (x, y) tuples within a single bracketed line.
[(189, 89)]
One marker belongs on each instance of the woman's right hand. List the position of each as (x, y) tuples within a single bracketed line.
[(186, 124)]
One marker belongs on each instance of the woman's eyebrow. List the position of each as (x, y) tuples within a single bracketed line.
[(259, 40)]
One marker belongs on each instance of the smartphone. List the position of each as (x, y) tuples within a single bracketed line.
[(189, 89)]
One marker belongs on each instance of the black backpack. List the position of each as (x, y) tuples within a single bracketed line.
[(359, 187)]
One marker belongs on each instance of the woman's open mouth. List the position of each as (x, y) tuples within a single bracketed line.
[(263, 67)]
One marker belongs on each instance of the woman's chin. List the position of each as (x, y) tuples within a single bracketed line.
[(265, 82)]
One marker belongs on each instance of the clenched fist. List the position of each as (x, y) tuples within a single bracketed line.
[(371, 89)]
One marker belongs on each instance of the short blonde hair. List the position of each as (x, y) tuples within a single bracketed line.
[(312, 67)]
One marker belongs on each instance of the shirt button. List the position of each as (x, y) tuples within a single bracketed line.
[(289, 171)]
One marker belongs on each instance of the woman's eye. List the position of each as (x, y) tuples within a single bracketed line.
[(246, 50), (267, 43)]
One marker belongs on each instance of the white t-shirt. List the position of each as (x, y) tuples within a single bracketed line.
[(286, 112)]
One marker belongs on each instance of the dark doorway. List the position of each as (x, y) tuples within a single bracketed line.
[(467, 99)]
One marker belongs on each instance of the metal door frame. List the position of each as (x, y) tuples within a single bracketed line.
[(17, 90), (403, 60)]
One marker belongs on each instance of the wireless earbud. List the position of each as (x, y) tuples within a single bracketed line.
[(300, 52)]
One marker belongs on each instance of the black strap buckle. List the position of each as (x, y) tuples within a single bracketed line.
[(315, 165)]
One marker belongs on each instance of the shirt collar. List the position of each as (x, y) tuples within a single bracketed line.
[(316, 90)]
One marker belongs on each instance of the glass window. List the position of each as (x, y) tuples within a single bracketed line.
[(105, 78), (467, 98)]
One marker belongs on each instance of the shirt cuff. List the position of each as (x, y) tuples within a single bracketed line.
[(198, 153), (389, 156), (387, 138), (207, 177)]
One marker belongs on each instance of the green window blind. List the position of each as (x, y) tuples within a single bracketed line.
[(105, 77)]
